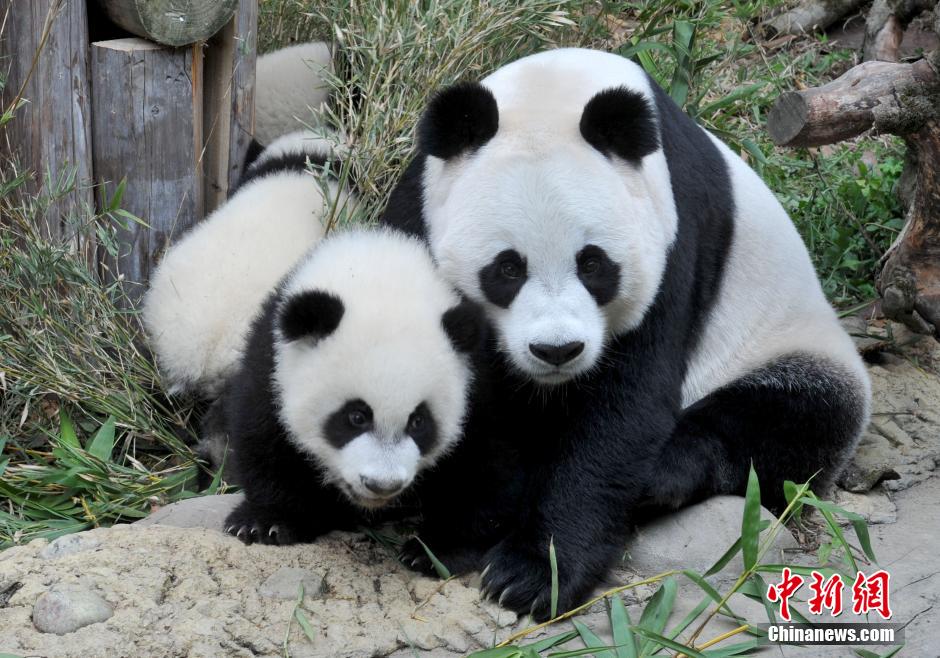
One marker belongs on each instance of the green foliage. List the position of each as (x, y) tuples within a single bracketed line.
[(653, 634)]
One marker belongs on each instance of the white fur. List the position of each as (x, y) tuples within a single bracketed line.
[(540, 188), (390, 350), (210, 284), (749, 325), (290, 86)]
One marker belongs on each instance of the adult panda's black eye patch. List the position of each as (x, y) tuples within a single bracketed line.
[(422, 428), (598, 273), (348, 422), (503, 278)]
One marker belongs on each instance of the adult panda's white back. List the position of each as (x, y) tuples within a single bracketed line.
[(290, 85), (210, 284)]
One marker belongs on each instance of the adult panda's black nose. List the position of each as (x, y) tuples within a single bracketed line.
[(556, 354), (383, 488)]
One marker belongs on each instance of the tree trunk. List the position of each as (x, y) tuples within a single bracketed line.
[(904, 100), (809, 16)]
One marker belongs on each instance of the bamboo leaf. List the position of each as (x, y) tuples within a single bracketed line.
[(442, 571), (553, 562), (103, 442), (750, 523), (591, 641), (620, 626)]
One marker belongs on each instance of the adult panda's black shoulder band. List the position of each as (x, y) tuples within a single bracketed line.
[(621, 122), (459, 118)]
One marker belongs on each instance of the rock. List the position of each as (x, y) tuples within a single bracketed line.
[(694, 538), (874, 505), (285, 582), (204, 512), (871, 464), (68, 545), (66, 608)]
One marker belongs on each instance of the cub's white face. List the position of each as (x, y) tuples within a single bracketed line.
[(562, 245), (370, 383)]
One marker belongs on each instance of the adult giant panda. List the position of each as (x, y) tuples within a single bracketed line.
[(658, 323)]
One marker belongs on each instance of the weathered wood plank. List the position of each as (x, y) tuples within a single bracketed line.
[(229, 102), (171, 22), (147, 127), (51, 133)]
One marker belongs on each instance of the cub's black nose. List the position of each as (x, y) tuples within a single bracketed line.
[(382, 487), (556, 354)]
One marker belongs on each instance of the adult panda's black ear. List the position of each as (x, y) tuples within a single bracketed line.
[(458, 118), (621, 122), (465, 325), (310, 314)]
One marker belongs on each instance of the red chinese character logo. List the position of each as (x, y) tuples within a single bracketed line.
[(782, 592), (871, 594), (826, 594)]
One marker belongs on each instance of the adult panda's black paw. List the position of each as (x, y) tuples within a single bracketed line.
[(251, 525), (457, 559), (518, 577)]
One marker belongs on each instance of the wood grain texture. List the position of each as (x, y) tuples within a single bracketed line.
[(845, 107), (148, 127), (229, 102), (171, 22), (51, 134)]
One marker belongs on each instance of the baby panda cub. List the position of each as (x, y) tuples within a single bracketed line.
[(354, 379)]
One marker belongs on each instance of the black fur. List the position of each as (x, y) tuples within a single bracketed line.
[(252, 153), (340, 427), (599, 274), (291, 162), (620, 122), (465, 325), (285, 501), (311, 314), (422, 428), (499, 284), (459, 118), (576, 463)]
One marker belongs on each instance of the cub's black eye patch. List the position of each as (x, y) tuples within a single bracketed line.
[(348, 422), (422, 428), (599, 274), (504, 277)]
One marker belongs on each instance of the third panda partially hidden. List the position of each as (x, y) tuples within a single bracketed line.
[(658, 323)]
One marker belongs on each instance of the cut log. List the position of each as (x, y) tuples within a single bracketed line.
[(51, 132), (809, 16), (872, 94), (903, 100), (229, 114), (171, 22), (147, 127)]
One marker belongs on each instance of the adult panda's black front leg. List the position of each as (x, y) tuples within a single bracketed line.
[(580, 499), (799, 417)]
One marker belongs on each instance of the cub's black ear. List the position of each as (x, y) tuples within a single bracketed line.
[(458, 118), (619, 121), (310, 314), (465, 325)]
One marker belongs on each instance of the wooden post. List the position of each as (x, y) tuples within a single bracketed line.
[(229, 102), (147, 126), (51, 133)]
